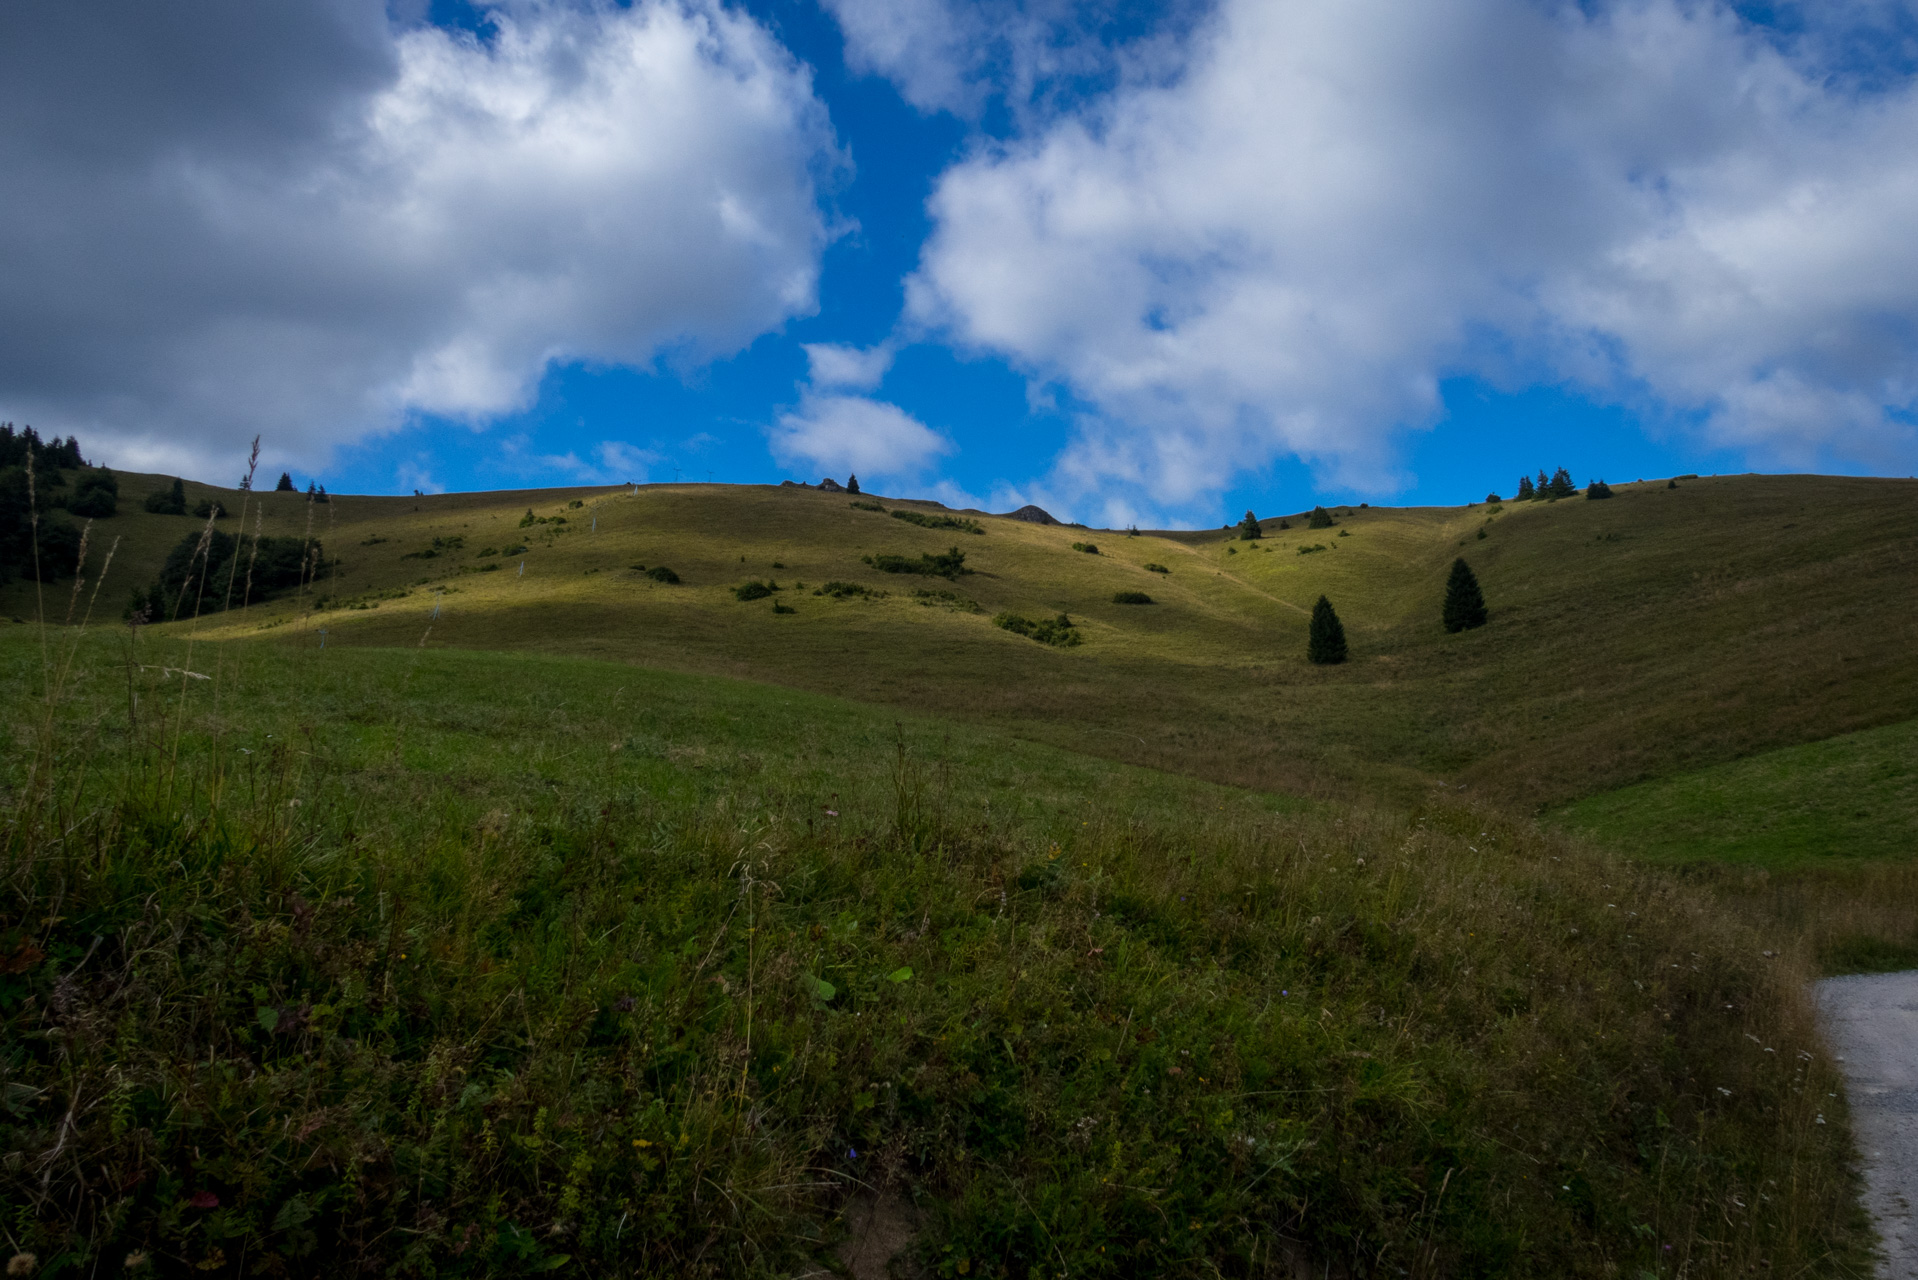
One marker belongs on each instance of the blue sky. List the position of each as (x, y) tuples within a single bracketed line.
[(1135, 262)]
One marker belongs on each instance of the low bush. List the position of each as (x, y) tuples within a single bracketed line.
[(755, 590), (96, 495), (1317, 546), (1157, 568), (1598, 489), (950, 599), (439, 547), (208, 509), (925, 521), (1131, 597), (167, 502), (1060, 631), (783, 608), (1090, 548), (660, 573), (847, 591), (1320, 519), (208, 571), (951, 564), (868, 506)]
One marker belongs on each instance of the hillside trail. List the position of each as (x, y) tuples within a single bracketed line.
[(1872, 1020)]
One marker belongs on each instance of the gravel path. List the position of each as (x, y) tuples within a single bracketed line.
[(1873, 1024)]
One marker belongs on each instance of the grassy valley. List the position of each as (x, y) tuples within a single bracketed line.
[(445, 917)]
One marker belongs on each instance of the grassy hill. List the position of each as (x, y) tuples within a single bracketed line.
[(1660, 631), (680, 936), (471, 963)]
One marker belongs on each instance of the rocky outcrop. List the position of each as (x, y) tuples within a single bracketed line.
[(1032, 515)]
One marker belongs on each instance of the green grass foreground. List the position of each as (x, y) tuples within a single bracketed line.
[(456, 963)]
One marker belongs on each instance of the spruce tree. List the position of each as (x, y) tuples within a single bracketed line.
[(1325, 642), (1525, 490), (285, 485), (852, 484), (1464, 602), (1249, 528), (1562, 486), (1321, 519)]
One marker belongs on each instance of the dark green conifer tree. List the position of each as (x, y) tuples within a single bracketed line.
[(1321, 519), (168, 502), (1525, 490), (1464, 602), (1562, 486), (285, 485), (852, 484), (1249, 528), (1325, 641)]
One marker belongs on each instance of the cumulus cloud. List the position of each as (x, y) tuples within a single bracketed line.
[(841, 434), (1286, 248), (228, 218), (838, 366)]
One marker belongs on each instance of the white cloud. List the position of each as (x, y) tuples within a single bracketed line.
[(1286, 248), (858, 369), (856, 435), (621, 461), (299, 220)]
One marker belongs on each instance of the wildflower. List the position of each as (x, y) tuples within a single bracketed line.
[(22, 1263)]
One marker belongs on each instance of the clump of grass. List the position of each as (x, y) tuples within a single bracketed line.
[(1089, 548), (847, 591), (1131, 597), (867, 506), (1156, 568), (1060, 631), (755, 590), (926, 521), (1317, 546), (949, 564)]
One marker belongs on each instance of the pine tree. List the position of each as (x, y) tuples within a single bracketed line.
[(1562, 486), (1525, 490), (1464, 602), (1325, 642), (1249, 528), (1598, 489), (285, 485), (1321, 519), (852, 484)]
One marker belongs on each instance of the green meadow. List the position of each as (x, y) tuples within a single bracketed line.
[(445, 916)]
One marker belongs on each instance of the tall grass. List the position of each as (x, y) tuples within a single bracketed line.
[(569, 990)]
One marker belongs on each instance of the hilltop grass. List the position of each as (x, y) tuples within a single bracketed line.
[(462, 963)]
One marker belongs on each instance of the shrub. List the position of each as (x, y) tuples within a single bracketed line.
[(1156, 568), (660, 573), (869, 506), (1597, 489), (1089, 548), (754, 590), (195, 580), (847, 590), (1464, 602), (950, 564), (1325, 641), (1491, 497), (167, 502), (1671, 484), (925, 521), (575, 505), (1284, 523), (1060, 631), (1345, 533), (208, 509), (1320, 519), (1317, 546), (1131, 597), (783, 608), (96, 495)]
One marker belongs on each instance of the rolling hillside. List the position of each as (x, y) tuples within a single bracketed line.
[(1663, 630)]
